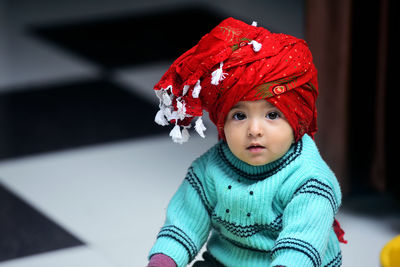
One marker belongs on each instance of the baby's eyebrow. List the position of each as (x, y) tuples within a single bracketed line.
[(238, 105)]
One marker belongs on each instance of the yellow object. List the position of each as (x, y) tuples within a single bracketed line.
[(390, 254)]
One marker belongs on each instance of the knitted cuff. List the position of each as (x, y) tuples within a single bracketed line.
[(161, 260)]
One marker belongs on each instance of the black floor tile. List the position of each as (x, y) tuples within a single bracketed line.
[(70, 115), (25, 231), (133, 39)]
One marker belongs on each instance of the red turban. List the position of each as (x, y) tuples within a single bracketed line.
[(239, 62)]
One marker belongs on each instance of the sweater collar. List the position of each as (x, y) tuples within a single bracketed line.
[(261, 172)]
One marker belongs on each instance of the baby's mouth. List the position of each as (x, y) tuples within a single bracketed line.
[(255, 148)]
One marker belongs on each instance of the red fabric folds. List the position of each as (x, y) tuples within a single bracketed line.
[(281, 71)]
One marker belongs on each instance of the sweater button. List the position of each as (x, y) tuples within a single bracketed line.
[(227, 210), (251, 192), (248, 214), (229, 187)]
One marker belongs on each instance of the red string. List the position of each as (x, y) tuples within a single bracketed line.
[(339, 231)]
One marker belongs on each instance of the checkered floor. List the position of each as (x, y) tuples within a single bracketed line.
[(85, 175)]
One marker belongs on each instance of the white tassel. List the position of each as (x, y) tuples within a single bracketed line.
[(181, 109), (185, 89), (256, 45), (163, 96), (166, 99), (254, 24), (199, 127), (185, 135), (176, 134), (167, 112), (160, 118), (218, 75), (196, 90), (173, 116)]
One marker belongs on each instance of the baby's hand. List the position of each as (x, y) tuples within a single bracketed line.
[(161, 260)]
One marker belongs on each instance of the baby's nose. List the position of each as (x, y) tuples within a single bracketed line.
[(255, 128)]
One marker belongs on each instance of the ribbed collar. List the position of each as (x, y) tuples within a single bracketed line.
[(251, 172)]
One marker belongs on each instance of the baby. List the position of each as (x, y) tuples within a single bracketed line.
[(263, 191)]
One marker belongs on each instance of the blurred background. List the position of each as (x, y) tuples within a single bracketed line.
[(86, 175)]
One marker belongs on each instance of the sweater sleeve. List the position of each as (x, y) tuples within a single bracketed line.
[(307, 225), (188, 223)]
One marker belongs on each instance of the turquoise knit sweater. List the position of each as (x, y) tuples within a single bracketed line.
[(280, 213)]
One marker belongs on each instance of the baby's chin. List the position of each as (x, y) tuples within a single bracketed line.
[(260, 160), (257, 162)]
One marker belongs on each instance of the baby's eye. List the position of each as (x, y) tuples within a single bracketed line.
[(239, 116), (273, 115)]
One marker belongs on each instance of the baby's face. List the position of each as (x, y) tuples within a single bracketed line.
[(257, 132)]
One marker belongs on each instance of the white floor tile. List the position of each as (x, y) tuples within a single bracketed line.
[(366, 237), (111, 193)]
